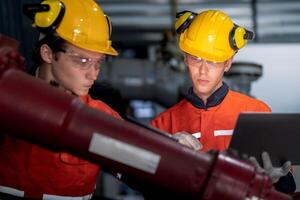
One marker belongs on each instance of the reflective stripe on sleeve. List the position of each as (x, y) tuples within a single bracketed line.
[(197, 135), (223, 132), (57, 197), (11, 191), (20, 193)]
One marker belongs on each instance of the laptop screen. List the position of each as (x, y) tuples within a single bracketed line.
[(276, 133)]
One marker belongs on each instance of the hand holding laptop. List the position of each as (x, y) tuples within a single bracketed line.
[(274, 172)]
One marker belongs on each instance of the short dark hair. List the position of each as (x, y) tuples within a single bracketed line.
[(56, 44)]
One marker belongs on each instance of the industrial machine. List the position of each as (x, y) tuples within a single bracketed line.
[(241, 75), (165, 80), (158, 165)]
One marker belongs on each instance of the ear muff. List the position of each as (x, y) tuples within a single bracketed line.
[(109, 25), (185, 18), (46, 16), (239, 36)]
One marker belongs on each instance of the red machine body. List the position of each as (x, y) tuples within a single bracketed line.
[(34, 111)]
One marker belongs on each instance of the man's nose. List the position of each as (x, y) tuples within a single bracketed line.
[(93, 71), (203, 67)]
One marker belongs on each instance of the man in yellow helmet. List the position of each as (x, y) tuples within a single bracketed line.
[(74, 43), (209, 41)]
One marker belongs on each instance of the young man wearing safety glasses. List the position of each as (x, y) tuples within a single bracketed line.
[(209, 40), (76, 39)]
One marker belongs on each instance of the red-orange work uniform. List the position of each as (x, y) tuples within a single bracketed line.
[(212, 123)]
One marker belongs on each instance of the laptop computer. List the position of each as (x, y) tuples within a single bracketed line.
[(276, 133)]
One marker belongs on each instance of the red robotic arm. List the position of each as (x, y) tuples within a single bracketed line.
[(34, 111)]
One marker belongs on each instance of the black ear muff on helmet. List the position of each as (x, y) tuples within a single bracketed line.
[(239, 36), (184, 20), (46, 16), (249, 35)]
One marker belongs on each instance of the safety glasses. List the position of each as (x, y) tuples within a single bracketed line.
[(83, 62), (193, 60)]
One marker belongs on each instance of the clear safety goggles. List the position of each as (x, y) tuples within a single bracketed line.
[(83, 62), (193, 60)]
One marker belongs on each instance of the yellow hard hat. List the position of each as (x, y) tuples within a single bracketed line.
[(82, 23), (210, 35)]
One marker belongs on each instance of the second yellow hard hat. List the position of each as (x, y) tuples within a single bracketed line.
[(211, 35)]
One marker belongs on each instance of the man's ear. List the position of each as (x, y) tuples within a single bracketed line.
[(46, 53), (228, 64)]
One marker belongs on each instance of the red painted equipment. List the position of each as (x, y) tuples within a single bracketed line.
[(34, 111)]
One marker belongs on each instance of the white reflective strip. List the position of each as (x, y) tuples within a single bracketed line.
[(124, 153), (197, 135), (253, 198), (12, 191), (223, 132), (56, 197)]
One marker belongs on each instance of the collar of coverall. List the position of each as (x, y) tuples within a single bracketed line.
[(213, 100)]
